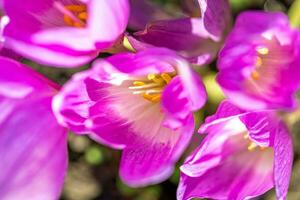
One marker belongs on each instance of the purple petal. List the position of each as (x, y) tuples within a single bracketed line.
[(151, 161), (33, 150), (33, 147), (223, 168), (253, 79), (216, 16), (226, 152), (186, 36), (71, 105), (38, 30), (184, 95), (144, 11), (283, 149)]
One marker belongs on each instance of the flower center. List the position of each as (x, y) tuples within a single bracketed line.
[(251, 145), (76, 15), (262, 51), (151, 87)]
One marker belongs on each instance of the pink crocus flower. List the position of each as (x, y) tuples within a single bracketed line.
[(141, 103), (197, 39), (33, 146), (64, 32), (244, 155), (259, 65)]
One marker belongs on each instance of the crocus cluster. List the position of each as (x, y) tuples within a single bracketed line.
[(140, 92)]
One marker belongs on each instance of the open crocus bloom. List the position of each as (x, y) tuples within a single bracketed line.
[(141, 103), (33, 146), (64, 32), (244, 155), (260, 62), (196, 39)]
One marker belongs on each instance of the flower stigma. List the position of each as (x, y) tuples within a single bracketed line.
[(151, 87)]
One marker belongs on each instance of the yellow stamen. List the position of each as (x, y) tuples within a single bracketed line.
[(76, 8), (262, 50), (77, 15), (68, 20), (151, 88), (262, 148), (83, 16), (259, 62), (166, 77), (255, 75), (252, 146), (155, 78), (246, 136), (127, 44), (78, 25), (138, 83)]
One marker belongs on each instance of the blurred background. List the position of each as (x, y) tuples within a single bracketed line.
[(93, 168)]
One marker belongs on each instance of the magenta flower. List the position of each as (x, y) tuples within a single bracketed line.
[(196, 39), (33, 146), (244, 155), (260, 62), (141, 103), (64, 33)]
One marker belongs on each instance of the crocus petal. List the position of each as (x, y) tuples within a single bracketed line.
[(47, 56), (33, 147), (33, 150), (105, 103), (260, 55), (216, 16), (266, 130), (225, 151), (283, 162), (150, 161), (187, 36), (39, 31), (185, 94), (144, 11)]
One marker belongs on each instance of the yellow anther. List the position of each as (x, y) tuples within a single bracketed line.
[(76, 8), (152, 88), (77, 17), (128, 45), (138, 83), (155, 78), (246, 136), (78, 25), (255, 75), (68, 20), (262, 148), (259, 62), (262, 50), (83, 16), (153, 98), (156, 98), (167, 78), (251, 146), (151, 76)]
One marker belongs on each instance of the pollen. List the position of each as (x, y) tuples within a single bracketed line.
[(262, 50), (251, 145), (255, 75), (75, 15), (151, 87), (259, 62)]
